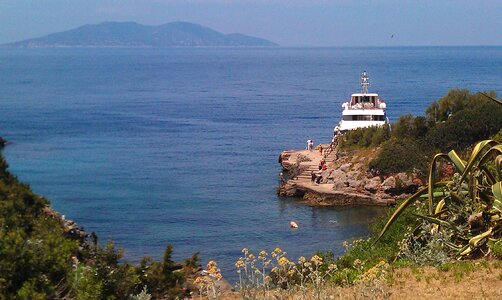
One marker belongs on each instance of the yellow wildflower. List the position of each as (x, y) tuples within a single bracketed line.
[(239, 264), (283, 261), (332, 267), (316, 260)]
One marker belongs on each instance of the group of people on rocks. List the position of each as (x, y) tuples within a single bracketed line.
[(322, 175)]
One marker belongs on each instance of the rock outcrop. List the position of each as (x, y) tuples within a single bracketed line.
[(346, 180)]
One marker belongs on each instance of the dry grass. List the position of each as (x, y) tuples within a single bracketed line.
[(478, 280), (470, 281)]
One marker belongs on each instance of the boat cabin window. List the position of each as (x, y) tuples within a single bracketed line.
[(364, 99), (363, 118)]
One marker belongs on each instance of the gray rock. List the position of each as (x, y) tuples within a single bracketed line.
[(372, 185), (352, 175), (389, 183), (345, 167), (403, 181), (353, 183), (339, 184), (358, 166), (338, 174)]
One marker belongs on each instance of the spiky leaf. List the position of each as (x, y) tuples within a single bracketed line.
[(400, 209), (497, 193)]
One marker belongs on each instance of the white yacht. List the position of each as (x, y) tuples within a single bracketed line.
[(363, 110)]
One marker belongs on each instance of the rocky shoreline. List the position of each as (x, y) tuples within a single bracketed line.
[(71, 228), (346, 179)]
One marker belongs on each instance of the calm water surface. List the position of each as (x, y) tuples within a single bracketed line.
[(156, 146)]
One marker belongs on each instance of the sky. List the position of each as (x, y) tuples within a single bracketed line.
[(302, 23)]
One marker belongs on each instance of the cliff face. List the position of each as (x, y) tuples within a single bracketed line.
[(346, 179)]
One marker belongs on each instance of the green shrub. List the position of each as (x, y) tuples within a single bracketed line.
[(456, 100), (464, 128), (496, 248), (365, 137), (370, 252), (457, 120), (399, 155), (409, 126), (497, 137)]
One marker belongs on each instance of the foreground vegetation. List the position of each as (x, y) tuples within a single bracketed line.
[(41, 258)]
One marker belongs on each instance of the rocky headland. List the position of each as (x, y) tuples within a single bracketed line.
[(346, 179)]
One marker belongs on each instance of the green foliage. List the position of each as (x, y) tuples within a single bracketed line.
[(399, 155), (365, 137), (496, 248), (497, 137), (409, 126), (165, 279), (40, 260), (34, 253), (86, 283), (457, 120), (464, 128), (456, 100), (465, 210), (371, 251)]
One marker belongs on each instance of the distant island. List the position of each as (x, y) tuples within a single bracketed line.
[(132, 34)]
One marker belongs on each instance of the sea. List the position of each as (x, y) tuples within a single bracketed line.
[(149, 147)]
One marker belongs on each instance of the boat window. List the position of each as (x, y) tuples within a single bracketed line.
[(363, 118)]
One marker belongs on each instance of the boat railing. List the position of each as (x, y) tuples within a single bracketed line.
[(363, 106)]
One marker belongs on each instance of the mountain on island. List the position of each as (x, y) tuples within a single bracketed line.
[(132, 34)]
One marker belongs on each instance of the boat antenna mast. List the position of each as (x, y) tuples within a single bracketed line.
[(365, 82)]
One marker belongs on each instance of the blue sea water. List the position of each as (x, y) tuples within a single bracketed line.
[(155, 146)]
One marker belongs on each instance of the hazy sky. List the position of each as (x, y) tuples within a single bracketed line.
[(288, 22)]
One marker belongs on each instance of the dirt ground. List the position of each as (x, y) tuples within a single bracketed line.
[(482, 282), (475, 281)]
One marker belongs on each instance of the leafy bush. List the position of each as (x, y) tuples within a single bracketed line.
[(457, 120), (365, 137), (409, 126), (497, 137), (464, 210), (464, 128), (455, 101), (399, 155)]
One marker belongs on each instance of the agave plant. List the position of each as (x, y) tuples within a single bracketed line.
[(466, 209)]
